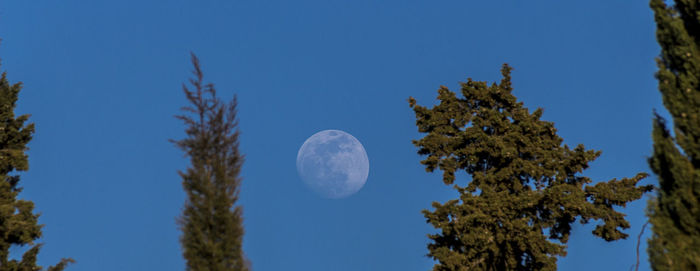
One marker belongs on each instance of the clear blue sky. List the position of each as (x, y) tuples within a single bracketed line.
[(102, 82)]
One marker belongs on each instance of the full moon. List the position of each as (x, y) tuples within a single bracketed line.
[(333, 164)]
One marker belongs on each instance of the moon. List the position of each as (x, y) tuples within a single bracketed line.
[(333, 164)]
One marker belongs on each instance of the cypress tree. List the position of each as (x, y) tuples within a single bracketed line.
[(211, 224), (526, 188), (675, 212), (18, 224)]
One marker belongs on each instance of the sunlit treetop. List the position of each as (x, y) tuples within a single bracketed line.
[(675, 212), (19, 225), (526, 188)]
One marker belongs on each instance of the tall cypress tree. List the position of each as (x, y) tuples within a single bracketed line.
[(18, 223), (211, 223), (526, 188), (675, 212)]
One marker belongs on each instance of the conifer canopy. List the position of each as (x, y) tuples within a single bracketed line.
[(19, 225), (211, 224), (675, 212), (525, 190)]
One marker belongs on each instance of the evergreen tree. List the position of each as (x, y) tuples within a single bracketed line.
[(675, 212), (526, 188), (18, 224), (212, 226)]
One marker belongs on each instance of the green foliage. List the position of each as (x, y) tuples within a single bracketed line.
[(212, 226), (525, 189), (18, 223), (675, 212)]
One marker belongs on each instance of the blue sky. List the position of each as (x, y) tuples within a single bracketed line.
[(102, 81)]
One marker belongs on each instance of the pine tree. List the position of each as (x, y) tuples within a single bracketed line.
[(211, 224), (18, 224), (675, 212), (526, 188)]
